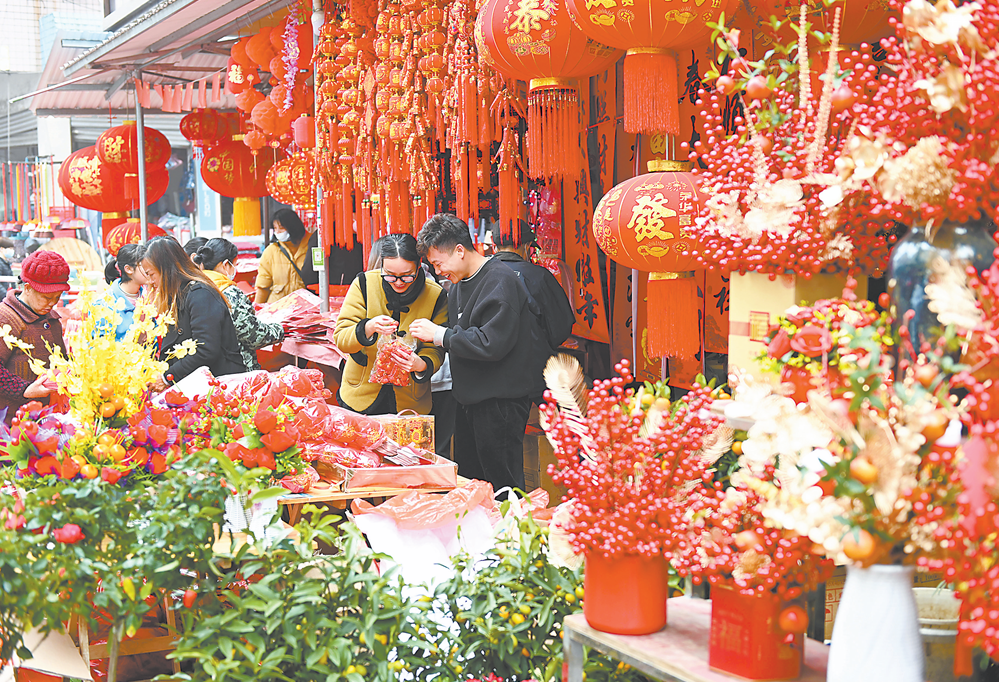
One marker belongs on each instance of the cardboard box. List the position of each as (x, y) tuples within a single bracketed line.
[(53, 654), (755, 303)]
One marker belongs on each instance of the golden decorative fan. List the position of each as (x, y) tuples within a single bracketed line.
[(565, 380)]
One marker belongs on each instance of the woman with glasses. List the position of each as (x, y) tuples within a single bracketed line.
[(385, 301), (217, 258)]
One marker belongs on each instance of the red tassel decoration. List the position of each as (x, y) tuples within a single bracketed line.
[(673, 315), (552, 142), (649, 71)]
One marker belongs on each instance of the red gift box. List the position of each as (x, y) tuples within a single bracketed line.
[(746, 639)]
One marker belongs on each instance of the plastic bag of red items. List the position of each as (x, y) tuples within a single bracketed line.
[(348, 457), (272, 389), (318, 421), (386, 370), (300, 482)]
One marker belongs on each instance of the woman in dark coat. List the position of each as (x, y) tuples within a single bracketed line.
[(198, 310)]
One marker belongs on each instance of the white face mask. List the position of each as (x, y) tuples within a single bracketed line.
[(7, 253), (282, 236)]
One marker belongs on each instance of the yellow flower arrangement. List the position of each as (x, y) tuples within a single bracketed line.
[(99, 371)]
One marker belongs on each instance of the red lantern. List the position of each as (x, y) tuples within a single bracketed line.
[(255, 140), (292, 181), (249, 98), (238, 53), (232, 170), (647, 29), (88, 182), (264, 116), (277, 67), (129, 232), (545, 48), (235, 78), (259, 49), (202, 127), (647, 223), (118, 148), (304, 128)]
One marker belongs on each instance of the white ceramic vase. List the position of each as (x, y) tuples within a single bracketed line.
[(876, 635)]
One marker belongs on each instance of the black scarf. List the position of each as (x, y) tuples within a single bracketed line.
[(399, 303)]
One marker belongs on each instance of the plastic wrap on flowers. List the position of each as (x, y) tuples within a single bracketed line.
[(301, 482)]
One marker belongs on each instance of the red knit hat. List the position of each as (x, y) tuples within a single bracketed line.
[(46, 272)]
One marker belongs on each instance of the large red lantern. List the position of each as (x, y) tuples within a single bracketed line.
[(648, 29), (535, 41), (118, 148), (87, 182), (129, 232), (233, 170), (647, 223), (202, 127)]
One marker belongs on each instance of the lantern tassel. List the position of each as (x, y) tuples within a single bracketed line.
[(673, 315), (647, 71), (552, 114), (246, 217)]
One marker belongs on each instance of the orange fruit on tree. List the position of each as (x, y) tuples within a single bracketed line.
[(118, 402), (105, 390), (117, 452), (89, 471), (106, 439), (862, 469), (935, 426), (101, 451), (108, 410), (859, 545)]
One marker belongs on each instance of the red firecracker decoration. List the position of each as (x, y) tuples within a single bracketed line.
[(647, 223)]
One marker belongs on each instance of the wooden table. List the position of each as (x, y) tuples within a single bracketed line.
[(295, 501), (678, 653)]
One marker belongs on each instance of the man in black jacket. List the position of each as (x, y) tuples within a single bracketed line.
[(553, 318), (488, 339)]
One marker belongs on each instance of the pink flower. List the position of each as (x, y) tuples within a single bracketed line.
[(69, 534), (812, 341), (780, 346)]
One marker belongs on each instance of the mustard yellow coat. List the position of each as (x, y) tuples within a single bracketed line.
[(359, 306)]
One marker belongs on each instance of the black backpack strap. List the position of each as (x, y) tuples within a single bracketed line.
[(291, 260)]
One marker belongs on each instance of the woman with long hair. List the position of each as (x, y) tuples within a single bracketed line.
[(125, 275), (385, 301), (280, 271), (217, 258), (198, 311)]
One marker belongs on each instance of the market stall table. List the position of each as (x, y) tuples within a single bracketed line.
[(679, 653), (295, 501)]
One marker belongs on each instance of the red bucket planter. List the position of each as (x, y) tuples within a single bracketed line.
[(626, 595), (746, 639)]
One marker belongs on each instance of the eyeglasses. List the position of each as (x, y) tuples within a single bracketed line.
[(405, 279)]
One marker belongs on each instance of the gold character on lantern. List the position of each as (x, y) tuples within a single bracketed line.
[(112, 149), (528, 16), (648, 218), (658, 143)]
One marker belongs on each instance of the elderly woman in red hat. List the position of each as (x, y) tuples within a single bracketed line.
[(28, 312)]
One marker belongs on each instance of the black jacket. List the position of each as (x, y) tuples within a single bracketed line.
[(553, 325), (202, 315), (489, 336)]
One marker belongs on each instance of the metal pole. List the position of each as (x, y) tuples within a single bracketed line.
[(635, 333), (141, 152), (324, 273)]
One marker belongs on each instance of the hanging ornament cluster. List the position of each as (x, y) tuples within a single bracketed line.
[(292, 181), (268, 73)]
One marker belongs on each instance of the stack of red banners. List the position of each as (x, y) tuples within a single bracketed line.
[(303, 323)]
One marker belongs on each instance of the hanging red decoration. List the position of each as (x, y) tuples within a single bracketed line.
[(118, 148), (544, 47), (90, 183), (249, 98), (233, 170), (202, 127), (647, 223), (648, 30), (157, 182), (235, 77), (260, 50), (265, 116), (238, 53), (255, 140), (291, 181), (129, 232)]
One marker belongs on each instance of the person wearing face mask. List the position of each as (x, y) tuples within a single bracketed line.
[(384, 301), (217, 258), (281, 265), (6, 255), (28, 312), (126, 278)]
